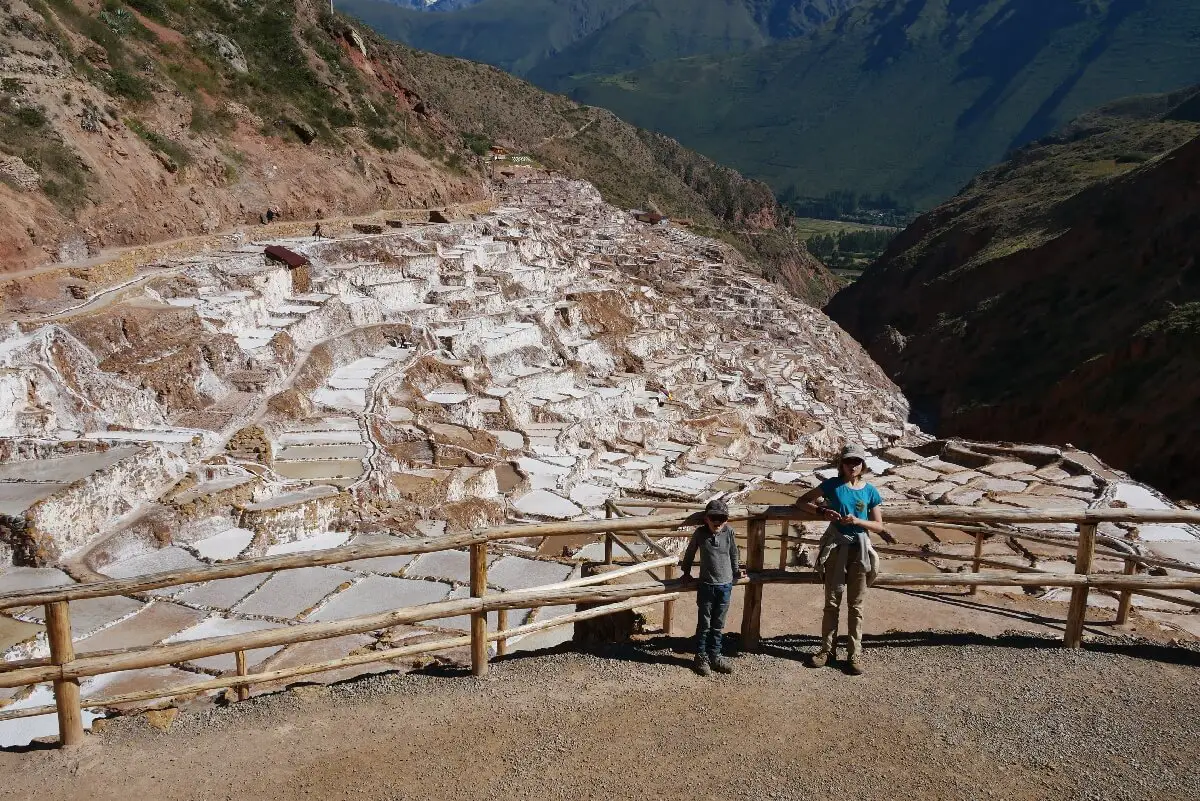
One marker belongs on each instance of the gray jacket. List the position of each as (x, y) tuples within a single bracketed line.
[(719, 557), (833, 555)]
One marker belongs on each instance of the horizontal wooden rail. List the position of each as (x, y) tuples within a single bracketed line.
[(333, 556), (153, 656), (65, 669), (948, 514), (917, 553), (1164, 597), (366, 658), (1071, 541), (329, 556)]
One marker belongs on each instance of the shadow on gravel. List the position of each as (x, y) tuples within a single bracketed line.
[(799, 647), (678, 651), (36, 745), (975, 603)]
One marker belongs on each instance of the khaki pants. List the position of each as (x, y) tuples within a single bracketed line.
[(856, 583)]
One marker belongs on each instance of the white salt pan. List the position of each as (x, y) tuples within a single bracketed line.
[(220, 627), (515, 573), (320, 438), (452, 565), (328, 539), (590, 494), (226, 545), (542, 503), (292, 592), (23, 731), (380, 594)]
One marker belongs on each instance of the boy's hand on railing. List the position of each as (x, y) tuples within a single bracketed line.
[(741, 574)]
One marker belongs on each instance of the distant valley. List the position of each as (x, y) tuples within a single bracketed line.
[(1057, 299), (904, 99)]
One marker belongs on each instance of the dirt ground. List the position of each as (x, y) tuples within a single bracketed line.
[(937, 715)]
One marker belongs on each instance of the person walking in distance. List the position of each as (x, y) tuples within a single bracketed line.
[(845, 557), (720, 565)]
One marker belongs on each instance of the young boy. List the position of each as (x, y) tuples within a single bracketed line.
[(720, 565)]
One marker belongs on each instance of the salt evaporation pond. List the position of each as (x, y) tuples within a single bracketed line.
[(1139, 497), (23, 731)]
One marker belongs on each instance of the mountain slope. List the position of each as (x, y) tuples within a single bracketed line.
[(909, 97), (1058, 297), (631, 167), (163, 118), (659, 30), (551, 42), (514, 35), (132, 124)]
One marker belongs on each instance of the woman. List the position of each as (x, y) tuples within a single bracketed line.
[(846, 557)]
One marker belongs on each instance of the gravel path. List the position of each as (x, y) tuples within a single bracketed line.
[(964, 717)]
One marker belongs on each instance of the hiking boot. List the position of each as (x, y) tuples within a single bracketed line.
[(721, 665), (854, 666), (701, 666), (819, 659)]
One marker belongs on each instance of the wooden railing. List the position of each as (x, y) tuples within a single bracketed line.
[(65, 669)]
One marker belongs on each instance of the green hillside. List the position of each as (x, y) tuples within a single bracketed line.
[(1056, 299), (551, 42), (515, 35), (909, 97), (652, 31), (631, 167)]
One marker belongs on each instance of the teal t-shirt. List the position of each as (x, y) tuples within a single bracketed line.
[(846, 500)]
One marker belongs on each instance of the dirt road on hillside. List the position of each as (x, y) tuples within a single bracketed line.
[(1012, 718)]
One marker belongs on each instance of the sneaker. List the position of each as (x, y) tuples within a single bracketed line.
[(854, 666), (819, 659), (701, 666), (721, 665)]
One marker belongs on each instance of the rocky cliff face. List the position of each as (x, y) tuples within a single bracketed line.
[(123, 125), (1058, 298)]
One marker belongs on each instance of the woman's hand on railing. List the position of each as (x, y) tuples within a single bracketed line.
[(819, 511)]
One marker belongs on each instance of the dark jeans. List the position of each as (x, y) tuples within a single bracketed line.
[(712, 602)]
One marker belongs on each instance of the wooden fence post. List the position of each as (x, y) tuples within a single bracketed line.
[(608, 538), (502, 626), (670, 573), (1076, 616), (66, 691), (479, 645), (1131, 568), (978, 554), (783, 544), (243, 690), (756, 541)]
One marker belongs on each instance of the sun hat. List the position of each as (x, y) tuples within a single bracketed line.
[(854, 452)]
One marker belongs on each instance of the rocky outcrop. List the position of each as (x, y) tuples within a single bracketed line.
[(1043, 306), (16, 171), (226, 48)]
